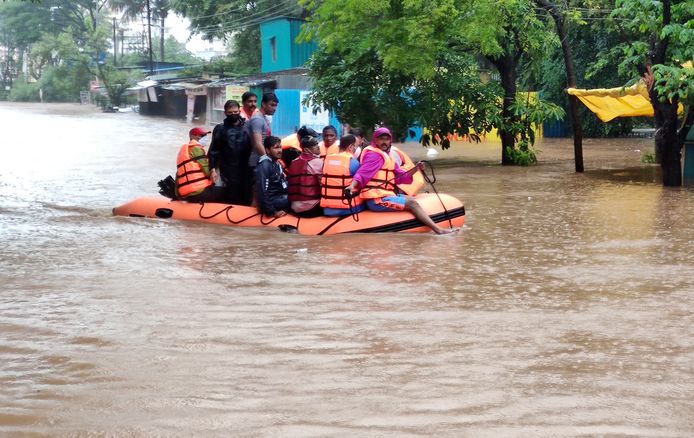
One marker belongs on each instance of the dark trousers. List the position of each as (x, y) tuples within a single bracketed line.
[(210, 194)]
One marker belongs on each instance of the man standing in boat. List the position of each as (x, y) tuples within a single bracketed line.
[(229, 152), (249, 100), (193, 182), (258, 128), (376, 178)]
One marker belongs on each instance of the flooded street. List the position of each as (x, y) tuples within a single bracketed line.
[(564, 308)]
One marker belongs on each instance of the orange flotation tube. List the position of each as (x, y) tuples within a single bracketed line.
[(446, 211)]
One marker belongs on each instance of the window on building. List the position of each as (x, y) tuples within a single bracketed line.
[(273, 46)]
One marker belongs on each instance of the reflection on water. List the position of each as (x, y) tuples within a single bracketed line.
[(563, 308)]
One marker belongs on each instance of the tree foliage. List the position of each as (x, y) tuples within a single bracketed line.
[(67, 42), (402, 61), (589, 33), (657, 39)]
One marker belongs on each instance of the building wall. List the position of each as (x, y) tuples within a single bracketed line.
[(289, 53), (281, 57), (291, 114), (295, 81), (301, 52), (216, 96)]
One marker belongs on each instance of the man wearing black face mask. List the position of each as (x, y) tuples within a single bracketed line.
[(229, 152)]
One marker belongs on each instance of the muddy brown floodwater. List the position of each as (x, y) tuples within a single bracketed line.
[(564, 308)]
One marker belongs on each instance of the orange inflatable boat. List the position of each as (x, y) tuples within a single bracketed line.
[(445, 210)]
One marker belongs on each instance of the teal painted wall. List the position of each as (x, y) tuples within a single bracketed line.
[(301, 53), (289, 54)]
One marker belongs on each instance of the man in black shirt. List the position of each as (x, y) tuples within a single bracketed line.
[(229, 151)]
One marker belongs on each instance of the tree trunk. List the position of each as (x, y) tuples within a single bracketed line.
[(563, 33), (666, 140), (506, 65), (667, 143)]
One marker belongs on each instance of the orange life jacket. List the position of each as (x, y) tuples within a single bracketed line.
[(333, 149), (190, 176), (383, 183), (417, 183), (336, 177), (291, 141), (323, 151)]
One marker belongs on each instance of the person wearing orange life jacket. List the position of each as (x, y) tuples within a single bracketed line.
[(193, 182), (376, 178), (303, 176), (338, 171), (405, 163), (329, 144)]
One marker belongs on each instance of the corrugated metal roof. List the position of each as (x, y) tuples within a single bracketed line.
[(185, 85)]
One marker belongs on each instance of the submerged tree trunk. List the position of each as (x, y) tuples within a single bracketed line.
[(667, 141), (506, 65), (563, 33)]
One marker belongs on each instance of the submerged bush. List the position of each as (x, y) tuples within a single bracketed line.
[(24, 92)]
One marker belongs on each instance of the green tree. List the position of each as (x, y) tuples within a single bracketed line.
[(657, 39), (21, 25), (56, 64), (428, 46), (584, 22), (236, 21), (87, 24)]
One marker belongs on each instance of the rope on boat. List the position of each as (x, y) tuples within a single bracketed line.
[(432, 180)]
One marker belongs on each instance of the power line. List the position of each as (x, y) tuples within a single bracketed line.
[(244, 22), (271, 11), (235, 11)]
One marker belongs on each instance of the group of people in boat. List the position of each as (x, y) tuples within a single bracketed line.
[(246, 165)]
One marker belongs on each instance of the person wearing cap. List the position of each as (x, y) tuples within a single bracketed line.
[(376, 178), (193, 182), (291, 144), (304, 179), (229, 152)]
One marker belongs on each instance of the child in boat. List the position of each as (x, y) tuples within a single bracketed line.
[(271, 184)]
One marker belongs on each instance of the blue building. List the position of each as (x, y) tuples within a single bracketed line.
[(285, 58), (279, 47)]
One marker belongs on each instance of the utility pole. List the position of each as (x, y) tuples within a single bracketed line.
[(115, 43), (149, 38)]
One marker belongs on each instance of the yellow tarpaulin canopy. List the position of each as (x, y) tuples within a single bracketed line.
[(609, 103)]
